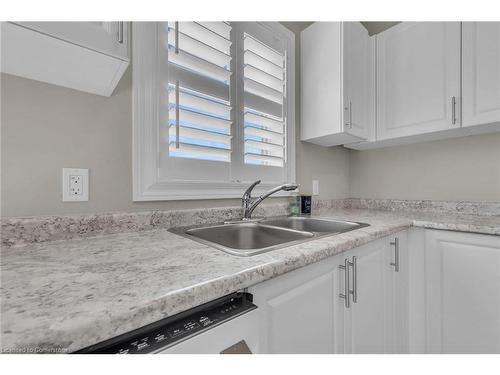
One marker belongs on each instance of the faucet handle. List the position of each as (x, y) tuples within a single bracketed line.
[(248, 191)]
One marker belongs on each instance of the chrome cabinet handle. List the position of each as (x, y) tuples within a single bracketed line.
[(453, 110), (350, 115), (395, 243), (345, 295), (349, 110), (354, 290), (120, 32)]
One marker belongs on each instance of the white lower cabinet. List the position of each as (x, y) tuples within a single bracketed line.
[(462, 292), (400, 320), (296, 310), (303, 312), (364, 320), (416, 291), (374, 320)]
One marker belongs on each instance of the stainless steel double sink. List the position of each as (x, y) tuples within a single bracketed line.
[(245, 238)]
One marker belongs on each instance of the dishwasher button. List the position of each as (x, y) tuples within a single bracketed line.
[(173, 333), (160, 337), (206, 321), (190, 325)]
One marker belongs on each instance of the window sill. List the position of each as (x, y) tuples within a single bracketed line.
[(196, 191)]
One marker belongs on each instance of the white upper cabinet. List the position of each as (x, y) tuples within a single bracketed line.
[(480, 73), (321, 83), (110, 38), (337, 87), (418, 79), (359, 80), (85, 56)]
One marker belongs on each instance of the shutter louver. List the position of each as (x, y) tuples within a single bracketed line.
[(199, 108), (264, 121)]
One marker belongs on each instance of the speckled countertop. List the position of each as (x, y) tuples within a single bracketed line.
[(61, 296)]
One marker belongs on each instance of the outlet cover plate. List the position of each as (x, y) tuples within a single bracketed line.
[(75, 185)]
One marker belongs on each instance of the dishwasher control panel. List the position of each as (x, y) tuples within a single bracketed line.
[(169, 331)]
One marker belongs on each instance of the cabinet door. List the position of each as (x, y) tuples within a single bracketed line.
[(340, 309), (368, 323), (359, 85), (480, 72), (321, 81), (462, 295), (296, 311), (418, 78), (110, 38), (399, 332)]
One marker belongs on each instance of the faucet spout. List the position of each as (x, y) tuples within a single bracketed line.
[(247, 198), (249, 205)]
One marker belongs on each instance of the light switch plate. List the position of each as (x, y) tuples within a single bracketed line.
[(75, 185), (315, 187)]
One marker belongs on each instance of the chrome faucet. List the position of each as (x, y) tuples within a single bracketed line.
[(248, 204)]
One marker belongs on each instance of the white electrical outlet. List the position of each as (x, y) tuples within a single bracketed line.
[(315, 187), (75, 185)]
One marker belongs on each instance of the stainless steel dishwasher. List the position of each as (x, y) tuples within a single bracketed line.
[(227, 325)]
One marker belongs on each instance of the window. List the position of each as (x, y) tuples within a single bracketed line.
[(213, 108)]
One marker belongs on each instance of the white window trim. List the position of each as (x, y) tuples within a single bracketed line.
[(146, 94)]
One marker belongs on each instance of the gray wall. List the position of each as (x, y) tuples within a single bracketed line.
[(465, 168), (45, 128)]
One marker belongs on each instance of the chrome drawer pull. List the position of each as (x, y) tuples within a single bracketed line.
[(395, 243), (349, 110), (453, 110), (120, 32), (354, 290), (345, 295)]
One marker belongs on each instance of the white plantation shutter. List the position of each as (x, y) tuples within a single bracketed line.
[(199, 100), (213, 108), (264, 98)]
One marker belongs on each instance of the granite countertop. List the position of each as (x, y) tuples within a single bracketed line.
[(62, 296)]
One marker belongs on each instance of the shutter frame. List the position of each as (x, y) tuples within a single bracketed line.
[(152, 178)]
